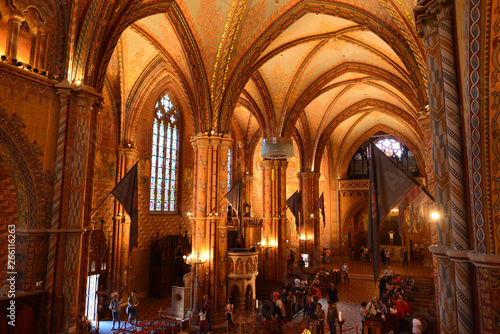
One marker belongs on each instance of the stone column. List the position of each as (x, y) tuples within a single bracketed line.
[(273, 257), (435, 24), (124, 257), (209, 223), (116, 280), (41, 48), (14, 24), (220, 263), (250, 239), (309, 186), (69, 206)]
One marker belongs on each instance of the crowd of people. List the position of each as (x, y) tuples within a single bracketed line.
[(391, 300), (312, 288)]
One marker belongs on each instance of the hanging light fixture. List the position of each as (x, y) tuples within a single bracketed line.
[(277, 148)]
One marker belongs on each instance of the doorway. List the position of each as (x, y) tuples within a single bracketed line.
[(92, 300)]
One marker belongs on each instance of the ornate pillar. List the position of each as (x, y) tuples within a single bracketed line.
[(436, 25), (209, 269), (14, 24), (116, 279), (273, 258), (124, 257), (69, 206), (250, 238), (310, 232)]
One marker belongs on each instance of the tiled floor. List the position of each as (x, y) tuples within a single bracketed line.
[(360, 289)]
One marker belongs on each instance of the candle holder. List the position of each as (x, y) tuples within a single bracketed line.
[(341, 323)]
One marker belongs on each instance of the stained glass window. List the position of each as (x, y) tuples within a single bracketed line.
[(163, 188), (390, 146), (229, 169)]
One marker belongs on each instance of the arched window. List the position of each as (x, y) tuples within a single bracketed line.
[(164, 156), (229, 168), (359, 167)]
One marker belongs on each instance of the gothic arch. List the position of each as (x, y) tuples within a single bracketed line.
[(243, 72), (127, 14), (349, 216), (343, 162), (31, 183), (155, 79)]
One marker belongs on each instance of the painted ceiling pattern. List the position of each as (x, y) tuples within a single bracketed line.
[(325, 77)]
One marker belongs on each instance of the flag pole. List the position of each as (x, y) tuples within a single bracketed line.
[(104, 200), (411, 177)]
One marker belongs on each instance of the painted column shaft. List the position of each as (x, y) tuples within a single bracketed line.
[(13, 35)]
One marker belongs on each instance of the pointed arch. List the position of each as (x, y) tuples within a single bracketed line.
[(243, 71)]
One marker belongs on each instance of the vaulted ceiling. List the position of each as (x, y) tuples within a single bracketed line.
[(325, 71)]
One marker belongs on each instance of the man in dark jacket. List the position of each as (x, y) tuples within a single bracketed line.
[(308, 310), (382, 286), (333, 294)]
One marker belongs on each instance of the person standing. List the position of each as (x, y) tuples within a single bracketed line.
[(229, 312), (333, 294), (315, 293), (308, 310), (328, 253), (208, 308), (320, 314), (388, 257), (405, 257), (280, 313), (382, 285), (417, 325), (388, 273), (203, 320), (133, 303), (296, 282), (371, 307), (333, 315), (382, 255), (116, 308), (363, 312), (403, 311), (345, 272)]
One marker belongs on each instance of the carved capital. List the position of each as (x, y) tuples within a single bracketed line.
[(266, 164), (214, 143), (281, 163), (200, 143), (444, 9), (16, 17), (427, 15), (131, 153), (309, 175), (84, 100), (425, 25), (226, 144)]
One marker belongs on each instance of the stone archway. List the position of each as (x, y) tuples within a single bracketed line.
[(33, 198), (349, 224)]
